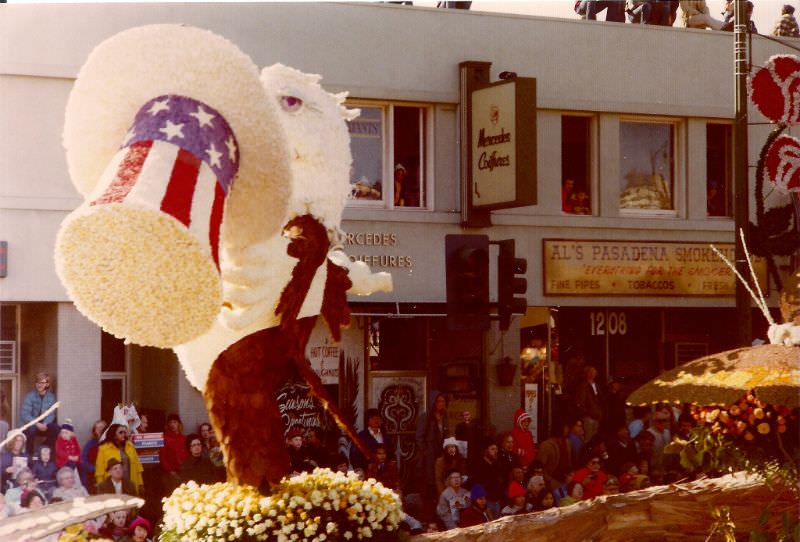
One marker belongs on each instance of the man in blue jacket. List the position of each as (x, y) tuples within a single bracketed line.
[(35, 403)]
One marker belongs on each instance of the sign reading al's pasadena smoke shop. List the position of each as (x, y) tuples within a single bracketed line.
[(503, 117), (652, 268)]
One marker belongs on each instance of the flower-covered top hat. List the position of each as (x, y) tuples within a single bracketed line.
[(182, 163)]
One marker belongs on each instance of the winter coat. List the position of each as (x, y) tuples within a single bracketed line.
[(491, 477), (430, 436), (200, 469), (66, 448), (472, 516), (451, 502), (34, 405), (107, 450), (524, 445), (587, 401), (592, 482), (174, 451)]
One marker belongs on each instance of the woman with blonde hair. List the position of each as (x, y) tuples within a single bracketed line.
[(13, 457)]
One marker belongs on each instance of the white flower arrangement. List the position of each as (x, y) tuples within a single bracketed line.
[(138, 273), (316, 507)]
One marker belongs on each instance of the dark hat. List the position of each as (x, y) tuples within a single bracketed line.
[(173, 416), (112, 462), (68, 426), (477, 492), (787, 9)]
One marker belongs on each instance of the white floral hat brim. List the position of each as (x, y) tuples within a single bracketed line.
[(141, 256)]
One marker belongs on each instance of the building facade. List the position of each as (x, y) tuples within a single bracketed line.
[(633, 159)]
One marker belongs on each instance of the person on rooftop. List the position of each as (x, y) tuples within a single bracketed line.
[(697, 15), (615, 10), (787, 24), (638, 11)]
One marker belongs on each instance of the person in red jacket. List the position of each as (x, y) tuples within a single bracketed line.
[(174, 451), (68, 451), (591, 476), (524, 445)]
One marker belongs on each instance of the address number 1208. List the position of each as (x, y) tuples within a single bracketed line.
[(611, 323)]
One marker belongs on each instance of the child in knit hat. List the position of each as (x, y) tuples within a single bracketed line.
[(516, 500), (68, 451)]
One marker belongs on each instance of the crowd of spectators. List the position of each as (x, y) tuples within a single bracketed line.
[(461, 476), (693, 14), (44, 464), (471, 473)]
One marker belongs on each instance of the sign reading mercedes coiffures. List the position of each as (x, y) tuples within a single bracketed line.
[(503, 118)]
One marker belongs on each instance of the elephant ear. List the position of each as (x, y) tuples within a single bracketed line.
[(179, 155)]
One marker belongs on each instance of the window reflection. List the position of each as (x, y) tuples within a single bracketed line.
[(394, 174), (366, 144), (646, 165)]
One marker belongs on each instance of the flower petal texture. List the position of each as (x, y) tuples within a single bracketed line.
[(775, 89), (782, 163), (150, 279)]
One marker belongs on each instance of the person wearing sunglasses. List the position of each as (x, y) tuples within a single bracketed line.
[(591, 476), (115, 444)]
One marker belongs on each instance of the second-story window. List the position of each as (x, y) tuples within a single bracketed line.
[(647, 165), (719, 169), (575, 161), (388, 142)]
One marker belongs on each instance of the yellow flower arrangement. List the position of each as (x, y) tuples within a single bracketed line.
[(317, 507), (79, 533)]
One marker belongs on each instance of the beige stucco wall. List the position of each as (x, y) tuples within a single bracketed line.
[(380, 51)]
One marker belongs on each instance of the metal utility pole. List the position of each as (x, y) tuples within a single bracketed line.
[(741, 176)]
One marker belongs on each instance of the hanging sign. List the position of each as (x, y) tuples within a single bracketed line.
[(503, 146)]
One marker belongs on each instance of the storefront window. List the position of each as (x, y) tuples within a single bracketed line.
[(719, 160), (401, 159), (366, 144), (575, 158), (397, 344), (647, 158)]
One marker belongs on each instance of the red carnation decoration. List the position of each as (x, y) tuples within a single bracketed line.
[(775, 89), (782, 163)]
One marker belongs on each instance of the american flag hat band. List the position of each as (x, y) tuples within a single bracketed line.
[(180, 157)]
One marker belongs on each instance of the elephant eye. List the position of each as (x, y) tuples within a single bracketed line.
[(291, 103)]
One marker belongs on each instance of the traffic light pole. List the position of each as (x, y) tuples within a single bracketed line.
[(741, 178)]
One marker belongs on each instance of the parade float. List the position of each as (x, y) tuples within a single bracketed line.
[(213, 196)]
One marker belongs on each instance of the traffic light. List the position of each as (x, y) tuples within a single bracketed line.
[(509, 284), (467, 274)]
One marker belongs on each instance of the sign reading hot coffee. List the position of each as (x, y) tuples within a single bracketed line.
[(298, 407), (639, 268), (503, 117)]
